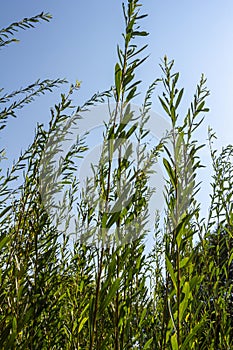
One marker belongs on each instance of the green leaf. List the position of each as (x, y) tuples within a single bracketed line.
[(118, 77), (142, 315), (4, 241), (113, 219), (187, 343), (171, 272), (170, 172), (84, 320), (230, 259), (174, 342), (5, 210), (184, 261), (179, 97), (131, 130), (107, 298), (184, 303), (165, 107), (148, 343), (137, 33), (131, 94)]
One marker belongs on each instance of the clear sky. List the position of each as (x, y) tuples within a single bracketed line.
[(80, 43)]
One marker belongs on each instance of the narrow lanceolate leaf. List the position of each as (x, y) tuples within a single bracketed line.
[(184, 303), (107, 298), (84, 320), (148, 344), (171, 272), (5, 210), (118, 78), (174, 342), (170, 172), (137, 33), (193, 333), (4, 241), (179, 97), (142, 317), (165, 107)]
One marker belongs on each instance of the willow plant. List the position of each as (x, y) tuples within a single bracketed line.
[(94, 286)]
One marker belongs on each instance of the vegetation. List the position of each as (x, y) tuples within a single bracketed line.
[(96, 288)]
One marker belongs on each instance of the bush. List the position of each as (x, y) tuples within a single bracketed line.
[(96, 287)]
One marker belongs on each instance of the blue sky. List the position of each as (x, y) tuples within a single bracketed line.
[(80, 43)]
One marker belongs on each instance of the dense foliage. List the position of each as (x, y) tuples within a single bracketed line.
[(97, 288)]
